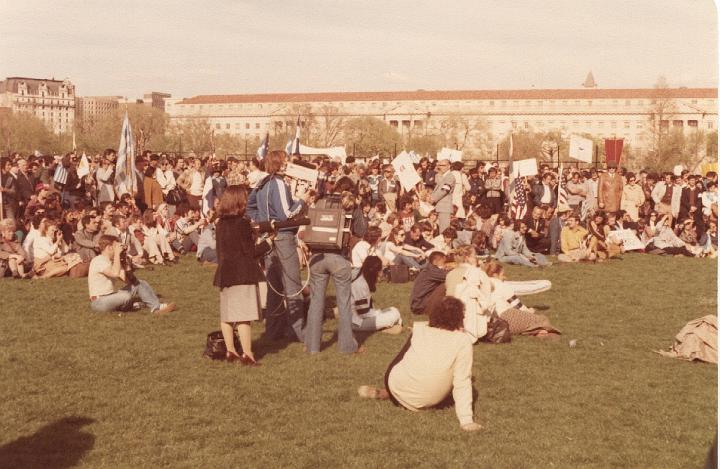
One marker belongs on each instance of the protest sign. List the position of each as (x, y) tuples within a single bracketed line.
[(526, 167), (581, 148), (405, 171)]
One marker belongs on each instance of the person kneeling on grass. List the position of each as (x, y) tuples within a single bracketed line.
[(435, 361), (364, 316), (107, 267)]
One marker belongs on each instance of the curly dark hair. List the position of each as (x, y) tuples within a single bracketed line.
[(449, 315)]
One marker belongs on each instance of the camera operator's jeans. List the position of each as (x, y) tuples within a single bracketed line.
[(322, 267), (282, 272), (522, 260), (122, 300)]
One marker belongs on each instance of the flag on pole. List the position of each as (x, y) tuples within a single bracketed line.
[(125, 165), (74, 145), (262, 150), (511, 173), (83, 168), (61, 173), (518, 205), (293, 146), (562, 201)]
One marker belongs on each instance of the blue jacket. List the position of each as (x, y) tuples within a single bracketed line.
[(271, 200)]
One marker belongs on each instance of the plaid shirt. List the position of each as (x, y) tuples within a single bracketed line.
[(235, 178)]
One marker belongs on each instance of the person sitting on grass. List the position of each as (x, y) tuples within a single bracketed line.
[(573, 242), (429, 280), (521, 319), (513, 248), (107, 267), (13, 258), (364, 316), (435, 362)]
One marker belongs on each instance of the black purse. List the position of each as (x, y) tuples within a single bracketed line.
[(215, 347), (175, 196)]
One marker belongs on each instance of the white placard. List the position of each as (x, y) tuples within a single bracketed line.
[(332, 152), (581, 148), (405, 171), (296, 171), (526, 167), (449, 154)]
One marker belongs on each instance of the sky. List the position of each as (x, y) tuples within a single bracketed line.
[(189, 48)]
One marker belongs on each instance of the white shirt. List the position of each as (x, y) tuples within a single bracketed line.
[(254, 177), (166, 179), (547, 197), (196, 184), (98, 283), (361, 250), (43, 247), (27, 244)]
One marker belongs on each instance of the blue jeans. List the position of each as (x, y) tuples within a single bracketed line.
[(522, 260), (282, 270), (322, 267), (122, 300), (401, 259)]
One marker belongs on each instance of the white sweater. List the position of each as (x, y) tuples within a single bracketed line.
[(437, 362)]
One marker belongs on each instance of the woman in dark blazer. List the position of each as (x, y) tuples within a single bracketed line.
[(238, 273)]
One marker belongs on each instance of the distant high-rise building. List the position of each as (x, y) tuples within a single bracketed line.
[(53, 101), (156, 99), (89, 109)]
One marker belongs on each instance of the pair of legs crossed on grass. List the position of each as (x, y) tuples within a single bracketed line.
[(577, 255), (122, 300)]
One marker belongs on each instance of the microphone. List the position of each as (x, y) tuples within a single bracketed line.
[(273, 225)]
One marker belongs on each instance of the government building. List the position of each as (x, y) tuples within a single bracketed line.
[(473, 120), (52, 101)]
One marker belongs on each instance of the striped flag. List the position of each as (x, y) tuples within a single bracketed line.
[(262, 150), (125, 165), (562, 201), (61, 174), (518, 206), (293, 146)]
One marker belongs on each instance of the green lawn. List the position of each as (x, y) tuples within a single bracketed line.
[(110, 391)]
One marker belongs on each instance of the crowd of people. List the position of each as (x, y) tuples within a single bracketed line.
[(452, 233)]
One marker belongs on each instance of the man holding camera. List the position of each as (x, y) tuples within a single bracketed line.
[(107, 267)]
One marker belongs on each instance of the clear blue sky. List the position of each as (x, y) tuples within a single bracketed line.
[(189, 48)]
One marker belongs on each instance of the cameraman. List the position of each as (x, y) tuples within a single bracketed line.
[(323, 265), (271, 201), (107, 267)]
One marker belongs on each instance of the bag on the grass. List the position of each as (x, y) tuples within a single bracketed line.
[(399, 274), (498, 331), (215, 347)]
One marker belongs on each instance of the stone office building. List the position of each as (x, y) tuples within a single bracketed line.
[(52, 101), (477, 118)]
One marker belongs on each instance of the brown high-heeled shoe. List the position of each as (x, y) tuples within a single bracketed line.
[(233, 357), (248, 361)]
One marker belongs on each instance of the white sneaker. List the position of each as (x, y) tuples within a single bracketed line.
[(137, 306)]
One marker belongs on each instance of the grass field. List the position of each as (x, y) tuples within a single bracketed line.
[(110, 391)]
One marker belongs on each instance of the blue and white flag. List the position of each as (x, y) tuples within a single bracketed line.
[(262, 150), (293, 146), (61, 174), (125, 166)]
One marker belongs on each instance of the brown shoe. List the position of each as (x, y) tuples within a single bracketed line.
[(248, 361), (164, 309), (234, 358)]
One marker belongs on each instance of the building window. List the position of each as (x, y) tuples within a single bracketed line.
[(694, 101), (227, 126), (514, 124), (491, 103), (664, 125), (627, 102), (639, 125), (418, 124), (577, 103), (406, 123), (710, 125), (589, 103), (692, 123), (526, 125), (677, 123), (613, 124), (217, 126), (257, 125), (626, 124), (247, 125), (393, 124), (588, 124)]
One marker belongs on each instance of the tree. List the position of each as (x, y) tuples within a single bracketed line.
[(328, 126), (148, 125), (424, 144), (370, 136), (25, 133), (192, 135), (662, 109)]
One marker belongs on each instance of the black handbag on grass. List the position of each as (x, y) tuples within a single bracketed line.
[(215, 347)]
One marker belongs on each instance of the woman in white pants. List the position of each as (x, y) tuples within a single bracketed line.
[(364, 316)]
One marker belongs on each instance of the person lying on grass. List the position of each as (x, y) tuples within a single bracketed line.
[(435, 361)]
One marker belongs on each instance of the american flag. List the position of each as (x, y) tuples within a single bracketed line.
[(518, 206), (562, 202)]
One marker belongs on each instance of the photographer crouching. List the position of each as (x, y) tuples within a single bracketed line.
[(271, 201), (113, 264)]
